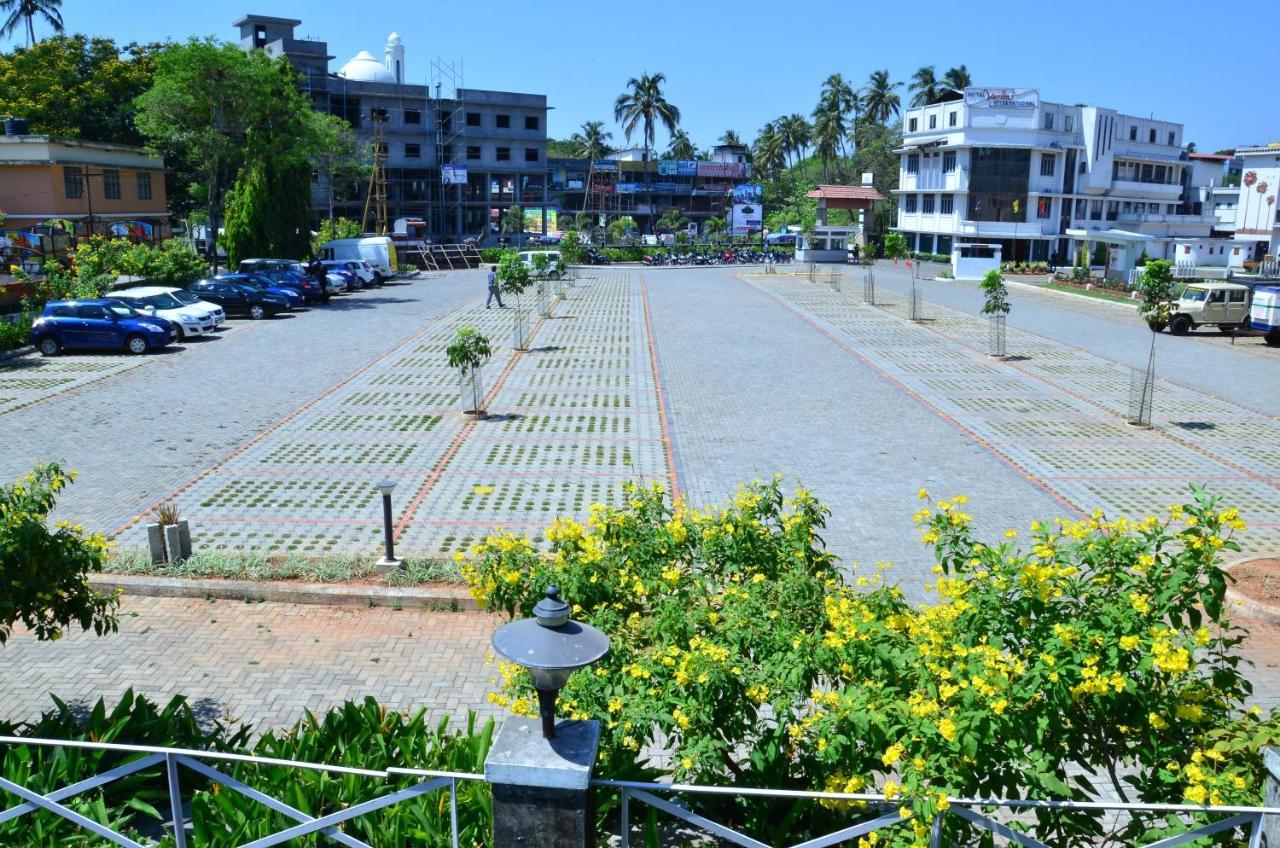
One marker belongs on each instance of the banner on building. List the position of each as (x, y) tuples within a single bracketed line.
[(745, 219), (130, 229), (722, 169), (748, 193), (453, 174), (1002, 98), (678, 168), (605, 165), (533, 219)]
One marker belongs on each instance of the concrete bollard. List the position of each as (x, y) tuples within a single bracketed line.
[(542, 793)]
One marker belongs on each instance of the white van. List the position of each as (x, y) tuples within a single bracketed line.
[(378, 251), (553, 261)]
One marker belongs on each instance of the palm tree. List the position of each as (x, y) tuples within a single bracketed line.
[(643, 105), (828, 134), (730, 137), (957, 78), (27, 10), (592, 142), (880, 99), (796, 135), (925, 86), (838, 93), (681, 146), (769, 151)]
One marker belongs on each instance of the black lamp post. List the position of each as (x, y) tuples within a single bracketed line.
[(551, 647), (389, 557)]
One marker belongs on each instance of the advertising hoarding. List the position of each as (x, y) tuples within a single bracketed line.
[(1002, 98), (453, 174), (748, 193), (605, 165), (722, 169), (746, 218)]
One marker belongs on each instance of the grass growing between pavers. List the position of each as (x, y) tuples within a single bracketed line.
[(416, 571)]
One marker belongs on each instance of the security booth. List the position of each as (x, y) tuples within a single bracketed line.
[(824, 244), (856, 200), (972, 260)]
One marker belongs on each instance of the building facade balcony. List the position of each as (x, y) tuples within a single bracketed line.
[(1006, 229), (1155, 191)]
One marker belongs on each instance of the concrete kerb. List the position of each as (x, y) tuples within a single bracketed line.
[(1255, 609), (439, 598), (17, 353)]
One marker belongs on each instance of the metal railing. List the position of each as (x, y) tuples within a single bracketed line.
[(196, 761), (966, 809)]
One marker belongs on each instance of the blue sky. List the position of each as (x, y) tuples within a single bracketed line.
[(737, 65)]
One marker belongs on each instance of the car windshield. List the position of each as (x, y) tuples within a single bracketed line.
[(1194, 294), (186, 298), (163, 300), (122, 310)]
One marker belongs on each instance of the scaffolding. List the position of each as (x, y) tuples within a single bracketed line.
[(451, 132), (375, 203)]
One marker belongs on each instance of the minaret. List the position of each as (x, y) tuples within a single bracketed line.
[(395, 56)]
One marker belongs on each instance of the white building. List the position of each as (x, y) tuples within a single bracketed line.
[(1000, 166), (1257, 220)]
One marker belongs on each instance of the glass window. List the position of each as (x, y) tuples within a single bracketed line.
[(412, 116), (909, 203), (1151, 135), (1113, 209), (1159, 173), (73, 181), (1233, 296), (1068, 122), (94, 311), (111, 184), (1170, 138), (1095, 210), (951, 119), (933, 122), (531, 122), (926, 204), (1133, 133), (1046, 164), (504, 154), (473, 119), (531, 154), (1080, 210), (948, 204), (502, 122), (949, 162), (911, 125), (913, 163), (413, 151), (1048, 120), (997, 177), (144, 185), (473, 151)]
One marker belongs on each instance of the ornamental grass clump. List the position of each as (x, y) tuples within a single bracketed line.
[(1099, 645)]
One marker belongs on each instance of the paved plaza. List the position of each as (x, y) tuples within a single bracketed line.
[(271, 438)]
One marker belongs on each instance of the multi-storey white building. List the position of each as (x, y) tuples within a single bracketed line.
[(1257, 220), (1001, 166)]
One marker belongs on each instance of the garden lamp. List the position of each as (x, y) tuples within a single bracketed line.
[(551, 647), (385, 486)]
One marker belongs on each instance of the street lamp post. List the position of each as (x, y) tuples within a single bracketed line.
[(388, 560)]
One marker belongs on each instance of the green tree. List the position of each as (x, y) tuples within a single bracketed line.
[(336, 155), (1159, 293), (768, 151), (997, 294), (45, 570), (796, 134), (620, 228), (881, 97), (828, 136), (671, 221), (644, 106), (77, 87), (730, 137), (512, 222), (895, 246), (591, 142), (571, 247), (714, 227), (925, 85), (957, 78), (267, 212), (339, 228), (681, 146), (28, 10), (513, 275)]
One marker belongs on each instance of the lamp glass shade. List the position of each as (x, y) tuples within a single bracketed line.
[(385, 486)]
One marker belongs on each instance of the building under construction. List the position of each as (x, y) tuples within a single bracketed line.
[(447, 156)]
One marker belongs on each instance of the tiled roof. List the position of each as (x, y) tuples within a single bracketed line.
[(841, 192)]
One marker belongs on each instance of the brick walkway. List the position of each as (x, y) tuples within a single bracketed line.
[(262, 663)]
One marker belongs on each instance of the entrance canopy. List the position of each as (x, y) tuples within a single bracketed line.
[(845, 197)]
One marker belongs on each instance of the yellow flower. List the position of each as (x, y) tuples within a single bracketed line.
[(891, 790), (1157, 721), (943, 802), (892, 754), (1129, 642), (998, 707), (923, 494), (1140, 602), (686, 763), (1196, 794), (947, 728)]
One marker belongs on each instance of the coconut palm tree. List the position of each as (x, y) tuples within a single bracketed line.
[(681, 146), (768, 151), (838, 93), (828, 135), (957, 78), (21, 11), (879, 97), (796, 135), (643, 105), (925, 85), (730, 137), (592, 142)]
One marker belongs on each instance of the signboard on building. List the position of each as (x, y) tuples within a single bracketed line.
[(678, 168), (453, 174), (722, 169), (748, 193), (533, 219), (868, 178), (605, 165), (746, 218), (1002, 98)]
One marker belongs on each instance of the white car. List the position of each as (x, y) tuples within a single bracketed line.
[(191, 316), (363, 271)]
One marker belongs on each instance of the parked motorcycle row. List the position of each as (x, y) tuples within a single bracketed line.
[(720, 257)]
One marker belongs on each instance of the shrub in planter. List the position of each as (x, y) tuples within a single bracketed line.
[(997, 294), (1101, 646), (1159, 293), (468, 352)]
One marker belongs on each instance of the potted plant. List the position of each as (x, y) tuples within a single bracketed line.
[(468, 352), (169, 535), (513, 277), (997, 307)]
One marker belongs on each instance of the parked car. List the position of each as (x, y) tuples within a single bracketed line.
[(378, 251), (1264, 313), (311, 289), (358, 274), (292, 297), (155, 300), (238, 298), (553, 261), (1215, 304), (98, 324)]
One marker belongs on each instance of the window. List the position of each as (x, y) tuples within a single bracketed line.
[(1133, 133), (504, 154), (1068, 123), (947, 205), (1043, 207), (1048, 120), (531, 154), (502, 122), (1171, 138), (1151, 136), (1159, 173), (412, 116), (1047, 164), (144, 185), (93, 311), (909, 203), (111, 185), (998, 177), (913, 163), (72, 179), (1147, 173), (531, 122), (933, 122), (413, 151), (926, 205), (949, 162), (951, 119), (1095, 210), (473, 119), (1080, 210), (473, 151), (911, 125), (1113, 208)]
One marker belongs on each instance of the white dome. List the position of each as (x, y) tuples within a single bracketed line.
[(393, 38), (365, 68)]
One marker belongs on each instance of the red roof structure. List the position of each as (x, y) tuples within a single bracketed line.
[(846, 197)]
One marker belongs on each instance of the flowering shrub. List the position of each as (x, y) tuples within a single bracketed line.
[(741, 650)]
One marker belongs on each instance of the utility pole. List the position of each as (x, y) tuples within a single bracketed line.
[(88, 195)]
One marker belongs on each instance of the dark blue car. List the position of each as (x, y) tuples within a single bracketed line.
[(98, 325), (295, 298)]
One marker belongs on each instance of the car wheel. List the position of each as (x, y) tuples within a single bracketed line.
[(136, 345), (555, 275), (257, 311), (1180, 326), (49, 346)]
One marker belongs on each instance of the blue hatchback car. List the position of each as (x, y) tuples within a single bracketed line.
[(98, 325)]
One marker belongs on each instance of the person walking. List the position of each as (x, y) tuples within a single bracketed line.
[(494, 291)]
